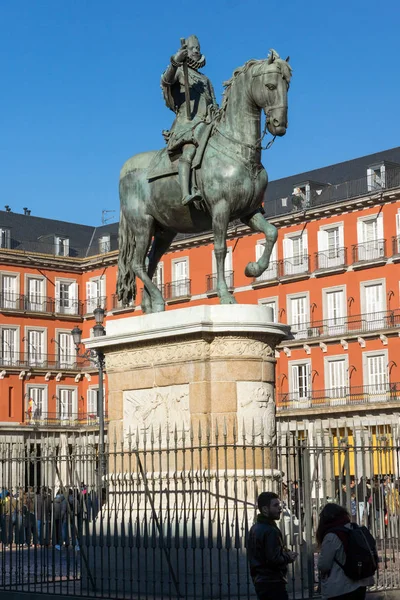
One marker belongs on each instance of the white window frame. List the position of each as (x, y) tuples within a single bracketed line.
[(302, 332), (272, 300), (378, 321), (5, 238), (92, 301), (271, 272), (74, 411), (338, 394), (371, 249), (36, 362), (73, 300), (61, 243), (9, 356), (158, 277), (295, 264), (65, 357), (105, 243), (376, 182), (11, 302), (31, 304), (92, 415), (292, 363), (378, 395), (325, 260), (181, 286), (45, 399), (330, 327)]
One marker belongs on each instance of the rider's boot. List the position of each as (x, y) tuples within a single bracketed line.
[(184, 180)]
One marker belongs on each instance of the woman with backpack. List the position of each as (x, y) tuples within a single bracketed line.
[(347, 558)]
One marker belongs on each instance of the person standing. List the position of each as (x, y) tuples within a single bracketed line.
[(333, 540), (266, 552)]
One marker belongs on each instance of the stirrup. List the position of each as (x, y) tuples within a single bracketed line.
[(191, 197)]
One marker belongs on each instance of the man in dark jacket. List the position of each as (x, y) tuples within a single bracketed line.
[(267, 555)]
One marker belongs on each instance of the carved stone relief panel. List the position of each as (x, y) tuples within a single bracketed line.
[(256, 411), (159, 411)]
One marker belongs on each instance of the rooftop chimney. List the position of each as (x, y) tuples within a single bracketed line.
[(27, 212), (8, 208)]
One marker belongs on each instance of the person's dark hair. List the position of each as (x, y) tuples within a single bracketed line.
[(332, 515), (264, 499)]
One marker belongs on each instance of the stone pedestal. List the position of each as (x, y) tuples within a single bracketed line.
[(207, 366)]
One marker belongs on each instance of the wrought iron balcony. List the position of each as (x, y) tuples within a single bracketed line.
[(295, 265), (396, 245), (211, 282), (270, 274), (369, 251), (37, 360), (177, 289), (58, 419), (353, 324), (92, 303), (331, 259), (340, 396), (39, 304), (117, 304)]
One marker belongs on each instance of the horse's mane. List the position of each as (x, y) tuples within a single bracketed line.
[(280, 64)]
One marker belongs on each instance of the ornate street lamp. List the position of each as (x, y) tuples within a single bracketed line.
[(96, 357)]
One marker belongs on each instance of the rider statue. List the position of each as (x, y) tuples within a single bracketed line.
[(190, 95)]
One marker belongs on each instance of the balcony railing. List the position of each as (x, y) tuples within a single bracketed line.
[(211, 281), (28, 360), (92, 303), (354, 324), (177, 289), (331, 258), (340, 396), (395, 245), (46, 419), (295, 265), (369, 251), (117, 304), (270, 274), (39, 304)]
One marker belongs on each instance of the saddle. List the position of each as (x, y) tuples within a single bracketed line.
[(162, 165)]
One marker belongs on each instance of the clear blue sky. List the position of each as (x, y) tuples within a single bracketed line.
[(80, 87)]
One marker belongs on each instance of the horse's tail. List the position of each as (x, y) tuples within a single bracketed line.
[(126, 283)]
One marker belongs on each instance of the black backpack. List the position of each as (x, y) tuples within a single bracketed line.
[(361, 555)]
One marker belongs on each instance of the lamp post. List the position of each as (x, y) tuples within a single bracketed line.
[(97, 358)]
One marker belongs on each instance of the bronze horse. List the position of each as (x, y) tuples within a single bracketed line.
[(232, 182)]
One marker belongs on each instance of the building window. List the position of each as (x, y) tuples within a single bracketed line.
[(298, 308), (373, 304), (66, 356), (36, 402), (104, 244), (36, 347), (35, 300), (66, 403), (180, 278), (228, 268), (371, 245), (334, 311), (61, 246), (331, 252), (272, 271), (158, 277), (376, 178), (336, 376), (295, 253), (271, 303), (396, 248), (9, 345), (66, 297), (5, 238), (300, 380), (95, 293), (375, 371), (9, 291)]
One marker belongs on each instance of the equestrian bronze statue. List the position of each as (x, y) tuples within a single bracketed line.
[(222, 178)]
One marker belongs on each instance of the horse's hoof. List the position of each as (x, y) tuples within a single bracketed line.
[(252, 270)]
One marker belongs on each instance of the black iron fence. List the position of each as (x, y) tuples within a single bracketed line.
[(331, 258), (211, 281), (171, 515), (40, 304), (37, 360), (369, 251), (352, 324), (177, 289), (62, 419), (345, 395)]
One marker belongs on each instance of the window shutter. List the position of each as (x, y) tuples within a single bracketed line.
[(260, 246), (322, 240), (360, 232), (287, 248), (341, 236), (102, 287), (228, 260), (295, 381), (379, 232), (304, 239)]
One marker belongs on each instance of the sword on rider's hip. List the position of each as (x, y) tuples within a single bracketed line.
[(186, 83)]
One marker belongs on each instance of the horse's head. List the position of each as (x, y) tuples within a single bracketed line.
[(270, 84)]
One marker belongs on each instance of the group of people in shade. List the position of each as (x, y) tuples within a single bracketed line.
[(269, 558), (29, 516)]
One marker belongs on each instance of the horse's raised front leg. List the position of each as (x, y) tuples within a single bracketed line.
[(259, 224), (220, 221), (144, 231), (160, 245)]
